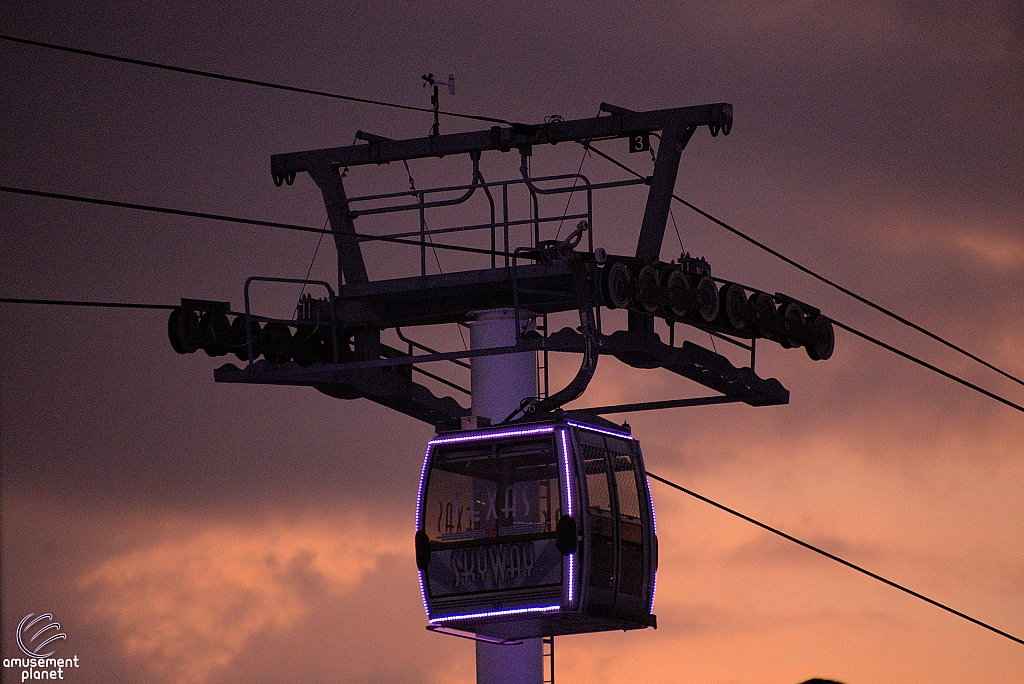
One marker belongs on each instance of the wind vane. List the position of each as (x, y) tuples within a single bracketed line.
[(435, 100)]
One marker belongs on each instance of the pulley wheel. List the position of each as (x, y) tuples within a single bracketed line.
[(762, 312), (215, 330), (308, 348), (240, 338), (707, 299), (647, 288), (735, 307), (277, 343), (824, 339), (617, 286), (793, 317), (183, 330), (678, 290)]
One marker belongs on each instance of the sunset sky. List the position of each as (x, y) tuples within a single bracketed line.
[(184, 531)]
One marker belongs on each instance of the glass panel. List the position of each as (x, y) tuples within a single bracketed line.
[(602, 553), (479, 490), (597, 479), (602, 540), (631, 557), (625, 483)]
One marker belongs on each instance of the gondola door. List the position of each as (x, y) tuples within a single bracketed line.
[(632, 508), (617, 512), (601, 537)]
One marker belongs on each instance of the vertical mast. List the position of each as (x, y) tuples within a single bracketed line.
[(499, 383)]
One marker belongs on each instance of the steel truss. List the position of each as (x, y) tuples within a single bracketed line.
[(336, 345)]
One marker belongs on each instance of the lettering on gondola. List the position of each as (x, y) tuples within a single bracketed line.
[(475, 510), (505, 563), (495, 566)]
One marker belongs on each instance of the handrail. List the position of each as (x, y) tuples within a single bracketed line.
[(267, 279), (471, 187)]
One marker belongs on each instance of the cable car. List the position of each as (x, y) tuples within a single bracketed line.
[(536, 529)]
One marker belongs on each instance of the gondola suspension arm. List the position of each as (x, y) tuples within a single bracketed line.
[(550, 250)]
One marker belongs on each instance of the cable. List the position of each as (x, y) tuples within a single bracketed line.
[(246, 81), (579, 171), (927, 365), (360, 237), (308, 91), (157, 209), (105, 305), (865, 336), (412, 186), (837, 559), (676, 226), (817, 276), (311, 262), (435, 246), (615, 161), (370, 238), (672, 215)]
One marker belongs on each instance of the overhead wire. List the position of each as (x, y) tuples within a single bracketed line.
[(579, 171), (243, 80), (654, 160), (587, 148), (359, 237), (70, 302), (412, 186), (338, 96), (819, 277), (931, 367), (369, 238), (850, 293), (312, 261), (256, 222), (832, 556)]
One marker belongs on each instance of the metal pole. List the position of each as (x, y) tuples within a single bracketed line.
[(499, 383)]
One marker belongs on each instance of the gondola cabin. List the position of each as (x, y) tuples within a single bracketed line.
[(536, 529)]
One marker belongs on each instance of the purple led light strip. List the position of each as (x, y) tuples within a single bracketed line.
[(423, 481), (419, 504), (497, 613), (623, 435), (494, 434), (654, 526), (565, 467), (500, 434), (564, 438), (572, 576), (423, 594)]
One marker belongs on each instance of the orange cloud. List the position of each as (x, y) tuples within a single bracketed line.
[(1000, 252), (189, 603)]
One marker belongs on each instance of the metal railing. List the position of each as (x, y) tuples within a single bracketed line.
[(289, 321), (500, 215)]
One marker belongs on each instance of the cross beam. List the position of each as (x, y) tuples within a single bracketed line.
[(677, 126), (621, 124)]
